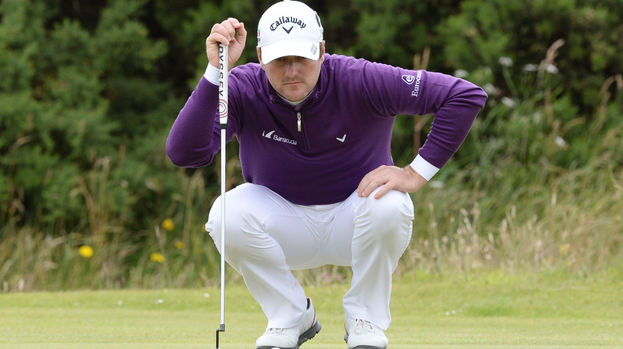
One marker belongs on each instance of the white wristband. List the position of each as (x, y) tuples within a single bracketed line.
[(423, 167), (211, 74)]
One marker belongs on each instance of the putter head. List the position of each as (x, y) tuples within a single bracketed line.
[(220, 329)]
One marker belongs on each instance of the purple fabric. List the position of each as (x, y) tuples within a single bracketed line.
[(346, 125)]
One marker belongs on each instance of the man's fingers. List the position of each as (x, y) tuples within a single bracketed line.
[(367, 178), (387, 178), (229, 32), (363, 185), (382, 191), (230, 29), (373, 180), (236, 30), (217, 37), (225, 32), (242, 33), (367, 188), (385, 184)]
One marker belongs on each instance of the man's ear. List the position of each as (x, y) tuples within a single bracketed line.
[(322, 51), (259, 55)]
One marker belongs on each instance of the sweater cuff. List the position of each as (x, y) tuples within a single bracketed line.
[(211, 74), (423, 167)]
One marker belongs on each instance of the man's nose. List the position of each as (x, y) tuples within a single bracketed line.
[(291, 67)]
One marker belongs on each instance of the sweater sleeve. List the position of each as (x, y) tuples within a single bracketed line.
[(455, 103), (194, 138)]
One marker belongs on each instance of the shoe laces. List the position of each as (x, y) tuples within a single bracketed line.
[(276, 330), (364, 326)]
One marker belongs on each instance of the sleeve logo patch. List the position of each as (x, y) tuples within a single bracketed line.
[(408, 79), (416, 88)]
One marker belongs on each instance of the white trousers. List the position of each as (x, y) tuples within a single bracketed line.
[(267, 236)]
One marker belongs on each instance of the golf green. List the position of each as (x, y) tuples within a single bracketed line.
[(487, 310)]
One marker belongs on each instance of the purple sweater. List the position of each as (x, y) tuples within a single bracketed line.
[(346, 125)]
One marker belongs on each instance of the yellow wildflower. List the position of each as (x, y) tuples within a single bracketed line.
[(86, 251), (167, 224), (179, 244), (157, 257)]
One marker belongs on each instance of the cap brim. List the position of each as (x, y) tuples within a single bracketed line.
[(306, 49)]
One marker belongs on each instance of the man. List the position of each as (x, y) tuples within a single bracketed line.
[(314, 131)]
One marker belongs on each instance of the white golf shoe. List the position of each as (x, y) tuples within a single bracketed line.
[(292, 337), (362, 334)]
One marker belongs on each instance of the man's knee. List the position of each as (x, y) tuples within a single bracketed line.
[(392, 214), (391, 206), (239, 222)]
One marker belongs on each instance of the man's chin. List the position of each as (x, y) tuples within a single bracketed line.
[(293, 97)]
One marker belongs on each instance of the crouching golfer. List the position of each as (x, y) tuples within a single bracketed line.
[(314, 131)]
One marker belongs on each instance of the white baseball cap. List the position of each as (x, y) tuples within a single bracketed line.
[(289, 28)]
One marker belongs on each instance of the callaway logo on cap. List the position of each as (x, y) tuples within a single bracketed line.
[(289, 28)]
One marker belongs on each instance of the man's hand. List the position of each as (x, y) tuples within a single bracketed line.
[(229, 32), (390, 178)]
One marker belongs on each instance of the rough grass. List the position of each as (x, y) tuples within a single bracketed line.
[(471, 310), (570, 222)]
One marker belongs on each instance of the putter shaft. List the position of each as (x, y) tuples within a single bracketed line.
[(222, 111)]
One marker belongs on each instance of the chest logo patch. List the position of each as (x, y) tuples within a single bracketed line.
[(274, 137)]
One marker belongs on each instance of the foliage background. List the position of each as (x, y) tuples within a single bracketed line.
[(89, 90)]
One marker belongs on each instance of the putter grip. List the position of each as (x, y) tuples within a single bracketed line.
[(223, 63)]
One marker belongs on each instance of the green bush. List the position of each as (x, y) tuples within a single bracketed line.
[(90, 89), (592, 31)]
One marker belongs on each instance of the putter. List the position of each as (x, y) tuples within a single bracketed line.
[(222, 114)]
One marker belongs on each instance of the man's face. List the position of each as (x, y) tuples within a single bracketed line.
[(293, 77)]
